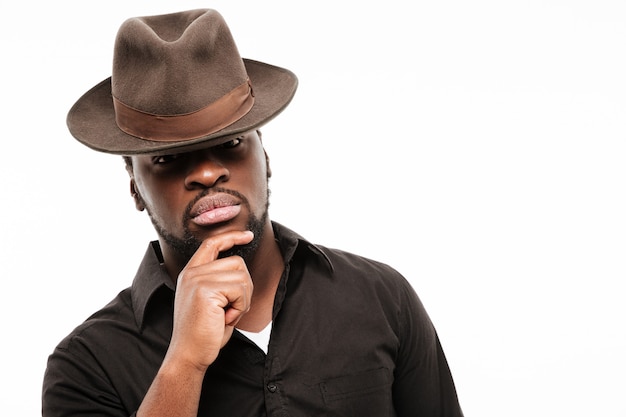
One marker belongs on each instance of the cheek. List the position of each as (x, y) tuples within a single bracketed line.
[(262, 177), (252, 181), (156, 204)]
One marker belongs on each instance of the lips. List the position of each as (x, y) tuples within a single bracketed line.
[(215, 209)]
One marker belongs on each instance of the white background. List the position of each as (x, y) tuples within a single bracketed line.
[(477, 146)]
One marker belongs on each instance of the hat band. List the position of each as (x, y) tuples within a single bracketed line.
[(169, 128)]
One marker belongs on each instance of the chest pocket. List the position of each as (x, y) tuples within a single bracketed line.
[(364, 394)]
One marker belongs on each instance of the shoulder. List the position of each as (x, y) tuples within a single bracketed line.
[(101, 364), (347, 264), (370, 279), (117, 314)]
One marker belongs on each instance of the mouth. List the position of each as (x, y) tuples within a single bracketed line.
[(214, 209)]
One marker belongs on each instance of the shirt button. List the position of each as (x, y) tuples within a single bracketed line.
[(271, 387)]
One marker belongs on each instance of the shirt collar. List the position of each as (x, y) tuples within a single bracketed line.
[(152, 275), (289, 241)]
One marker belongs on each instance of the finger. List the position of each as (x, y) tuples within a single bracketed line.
[(238, 305), (211, 247)]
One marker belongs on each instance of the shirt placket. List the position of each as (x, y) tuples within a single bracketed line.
[(275, 400)]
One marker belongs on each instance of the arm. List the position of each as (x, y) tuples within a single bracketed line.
[(211, 296), (423, 381)]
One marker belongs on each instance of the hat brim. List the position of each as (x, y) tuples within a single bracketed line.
[(92, 118)]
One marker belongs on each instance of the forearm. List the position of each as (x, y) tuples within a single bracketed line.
[(175, 392)]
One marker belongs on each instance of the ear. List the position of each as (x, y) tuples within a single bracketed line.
[(267, 164), (136, 196), (267, 158)]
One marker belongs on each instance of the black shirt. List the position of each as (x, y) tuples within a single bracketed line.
[(349, 338)]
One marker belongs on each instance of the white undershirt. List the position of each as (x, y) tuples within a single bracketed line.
[(261, 339)]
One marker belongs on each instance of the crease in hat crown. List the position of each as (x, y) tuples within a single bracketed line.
[(178, 76), (178, 84)]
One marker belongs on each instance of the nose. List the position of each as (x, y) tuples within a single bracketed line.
[(205, 171)]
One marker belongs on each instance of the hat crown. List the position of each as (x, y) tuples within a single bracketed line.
[(178, 84), (176, 63)]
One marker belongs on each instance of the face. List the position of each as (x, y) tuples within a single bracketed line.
[(192, 196)]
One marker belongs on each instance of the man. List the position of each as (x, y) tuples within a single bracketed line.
[(230, 314)]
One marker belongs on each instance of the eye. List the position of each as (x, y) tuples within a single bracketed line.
[(233, 143), (164, 159)]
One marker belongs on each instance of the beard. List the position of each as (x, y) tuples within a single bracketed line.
[(187, 244)]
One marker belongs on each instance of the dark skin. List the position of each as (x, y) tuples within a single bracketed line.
[(203, 204)]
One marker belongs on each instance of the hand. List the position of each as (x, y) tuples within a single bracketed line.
[(211, 296)]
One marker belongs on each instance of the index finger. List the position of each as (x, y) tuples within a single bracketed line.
[(211, 247)]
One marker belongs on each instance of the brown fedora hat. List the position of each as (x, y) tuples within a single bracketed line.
[(178, 83)]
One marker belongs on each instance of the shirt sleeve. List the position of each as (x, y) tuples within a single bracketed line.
[(74, 385), (423, 383)]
